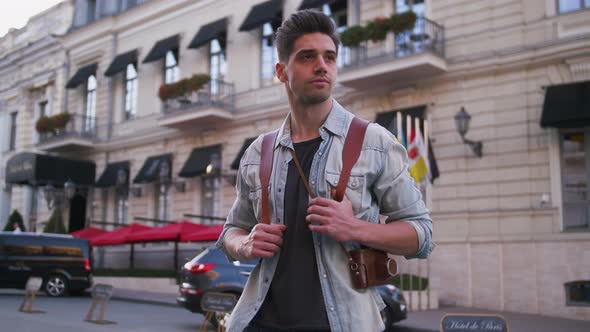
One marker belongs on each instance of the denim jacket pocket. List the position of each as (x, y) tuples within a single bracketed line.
[(355, 188), (254, 197)]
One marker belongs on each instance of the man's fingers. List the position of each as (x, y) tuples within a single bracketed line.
[(321, 201), (317, 218), (267, 237), (266, 246), (318, 209)]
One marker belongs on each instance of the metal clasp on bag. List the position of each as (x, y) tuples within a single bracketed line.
[(388, 265)]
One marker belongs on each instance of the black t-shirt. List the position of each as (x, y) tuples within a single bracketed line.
[(295, 300)]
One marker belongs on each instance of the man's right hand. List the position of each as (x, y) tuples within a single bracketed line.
[(262, 242)]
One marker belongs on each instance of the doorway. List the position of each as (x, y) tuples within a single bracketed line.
[(77, 213)]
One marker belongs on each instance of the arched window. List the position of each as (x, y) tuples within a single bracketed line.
[(172, 72), (130, 91), (269, 56), (217, 66), (90, 115)]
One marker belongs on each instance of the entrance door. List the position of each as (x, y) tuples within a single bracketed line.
[(77, 213)]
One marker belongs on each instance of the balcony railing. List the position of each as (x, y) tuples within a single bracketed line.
[(427, 36), (215, 94), (80, 131)]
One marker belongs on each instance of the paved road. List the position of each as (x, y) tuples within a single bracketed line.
[(67, 314)]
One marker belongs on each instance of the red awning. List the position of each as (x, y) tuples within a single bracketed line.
[(210, 234), (170, 232), (118, 236), (88, 233)]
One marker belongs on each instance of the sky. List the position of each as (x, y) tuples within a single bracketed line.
[(15, 14)]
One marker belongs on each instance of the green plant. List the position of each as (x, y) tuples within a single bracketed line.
[(55, 224), (43, 125), (137, 273), (60, 120), (183, 87), (401, 22), (410, 282), (14, 220), (353, 36), (377, 29)]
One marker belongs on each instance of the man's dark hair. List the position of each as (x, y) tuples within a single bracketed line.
[(299, 24)]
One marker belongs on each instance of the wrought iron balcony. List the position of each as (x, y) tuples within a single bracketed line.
[(79, 133), (408, 56), (212, 103)]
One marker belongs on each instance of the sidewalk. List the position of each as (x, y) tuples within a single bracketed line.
[(423, 321)]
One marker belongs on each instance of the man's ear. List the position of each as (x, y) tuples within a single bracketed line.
[(280, 69)]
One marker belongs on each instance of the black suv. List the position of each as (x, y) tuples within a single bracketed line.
[(63, 261), (211, 271)]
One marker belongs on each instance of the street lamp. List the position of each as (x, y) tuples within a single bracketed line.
[(462, 120)]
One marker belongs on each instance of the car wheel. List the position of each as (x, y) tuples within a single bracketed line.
[(56, 285), (386, 317)]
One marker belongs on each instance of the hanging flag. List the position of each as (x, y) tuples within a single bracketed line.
[(433, 173), (418, 167)]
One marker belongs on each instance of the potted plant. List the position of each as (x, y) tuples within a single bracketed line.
[(43, 125), (183, 88), (402, 22), (60, 120), (377, 29), (15, 220), (353, 36)]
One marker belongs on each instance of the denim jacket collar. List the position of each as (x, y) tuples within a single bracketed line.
[(335, 123)]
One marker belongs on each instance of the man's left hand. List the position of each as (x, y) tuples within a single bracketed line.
[(333, 218)]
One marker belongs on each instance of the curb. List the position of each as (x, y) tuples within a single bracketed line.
[(143, 301)]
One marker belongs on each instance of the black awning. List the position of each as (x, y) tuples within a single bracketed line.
[(247, 142), (208, 32), (28, 168), (150, 171), (81, 76), (309, 4), (110, 175), (161, 47), (120, 63), (197, 162), (567, 106), (388, 119), (270, 11)]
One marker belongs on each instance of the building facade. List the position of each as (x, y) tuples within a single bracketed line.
[(33, 67), (511, 226)]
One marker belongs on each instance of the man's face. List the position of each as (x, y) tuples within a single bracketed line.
[(310, 72)]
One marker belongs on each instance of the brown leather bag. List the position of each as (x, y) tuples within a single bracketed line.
[(368, 267)]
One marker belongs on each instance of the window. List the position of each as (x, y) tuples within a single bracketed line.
[(566, 6), (122, 206), (43, 109), (130, 91), (269, 56), (575, 173), (577, 293), (217, 66), (209, 200), (12, 142), (90, 114), (417, 6), (172, 72), (338, 14), (161, 201), (91, 10)]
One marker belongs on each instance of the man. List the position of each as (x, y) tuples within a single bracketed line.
[(302, 282)]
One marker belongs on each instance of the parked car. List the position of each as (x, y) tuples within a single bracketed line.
[(62, 261), (211, 271)]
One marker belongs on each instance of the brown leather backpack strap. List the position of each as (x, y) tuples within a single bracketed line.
[(266, 158), (350, 153)]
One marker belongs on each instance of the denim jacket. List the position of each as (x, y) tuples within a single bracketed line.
[(379, 184)]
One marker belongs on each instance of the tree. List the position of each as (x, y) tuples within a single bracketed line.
[(55, 224), (14, 220)]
